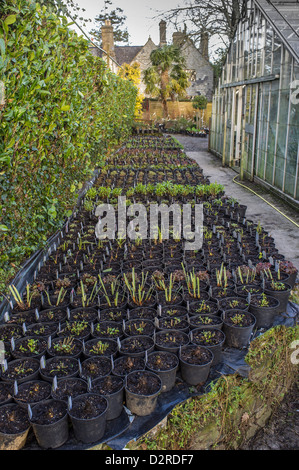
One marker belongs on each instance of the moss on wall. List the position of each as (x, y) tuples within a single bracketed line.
[(235, 408)]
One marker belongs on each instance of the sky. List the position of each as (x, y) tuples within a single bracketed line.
[(142, 17)]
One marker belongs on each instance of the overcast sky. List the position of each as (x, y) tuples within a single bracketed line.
[(141, 22)]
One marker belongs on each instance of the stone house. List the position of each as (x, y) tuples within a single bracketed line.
[(197, 60)]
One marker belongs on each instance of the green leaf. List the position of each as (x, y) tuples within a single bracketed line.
[(65, 107), (3, 228), (2, 47), (10, 20)]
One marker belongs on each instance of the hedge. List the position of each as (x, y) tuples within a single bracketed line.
[(64, 110)]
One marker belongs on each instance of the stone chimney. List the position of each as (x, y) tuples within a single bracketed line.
[(162, 26), (178, 38), (108, 40), (204, 45)]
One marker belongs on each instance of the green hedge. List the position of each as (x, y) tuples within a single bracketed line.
[(63, 111)]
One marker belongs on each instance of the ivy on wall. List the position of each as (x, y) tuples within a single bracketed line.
[(63, 112)]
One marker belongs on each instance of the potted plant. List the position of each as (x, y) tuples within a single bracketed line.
[(171, 340), (20, 370), (14, 427), (195, 364), (58, 366), (49, 421), (142, 389), (123, 365), (238, 327), (212, 338), (95, 367), (66, 346), (112, 388), (264, 308), (31, 393), (72, 387), (165, 365), (88, 416)]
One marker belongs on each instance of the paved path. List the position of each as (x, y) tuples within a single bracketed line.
[(284, 232)]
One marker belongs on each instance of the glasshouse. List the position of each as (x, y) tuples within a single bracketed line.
[(255, 107)]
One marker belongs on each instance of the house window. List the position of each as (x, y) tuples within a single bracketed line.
[(192, 75)]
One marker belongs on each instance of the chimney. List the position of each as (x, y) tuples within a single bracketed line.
[(108, 40), (204, 44), (178, 38), (162, 26)]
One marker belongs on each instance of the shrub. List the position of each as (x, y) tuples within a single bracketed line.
[(63, 112)]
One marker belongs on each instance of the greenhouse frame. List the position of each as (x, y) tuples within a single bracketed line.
[(255, 113)]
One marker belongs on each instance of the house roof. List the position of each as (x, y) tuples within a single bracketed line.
[(125, 54), (284, 17)]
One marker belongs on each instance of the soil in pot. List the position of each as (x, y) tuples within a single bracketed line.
[(238, 327), (112, 388), (88, 416), (141, 390), (70, 387), (230, 303), (113, 314), (66, 346), (165, 365), (77, 329), (264, 308), (171, 340), (173, 323), (29, 347), (95, 367), (55, 315), (203, 307), (212, 338), (41, 330), (195, 364), (83, 314), (100, 347), (32, 392), (136, 345), (9, 331), (280, 291), (60, 367), (142, 313), (14, 427), (21, 370), (107, 329), (138, 326), (173, 311), (49, 421), (123, 365), (251, 289), (6, 393), (205, 321)]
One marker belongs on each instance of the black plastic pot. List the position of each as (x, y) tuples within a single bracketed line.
[(14, 440), (193, 371), (112, 388), (281, 295), (171, 340), (69, 387), (167, 371), (28, 388), (216, 349), (123, 365), (135, 346), (91, 429), (30, 374), (264, 315), (53, 434), (237, 336), (142, 403)]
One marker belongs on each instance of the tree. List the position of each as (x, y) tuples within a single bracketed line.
[(216, 18), (117, 20), (166, 78), (133, 74), (199, 102), (66, 8)]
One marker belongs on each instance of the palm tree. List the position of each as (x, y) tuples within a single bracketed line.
[(166, 78)]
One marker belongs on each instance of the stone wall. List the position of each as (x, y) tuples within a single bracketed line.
[(176, 110)]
